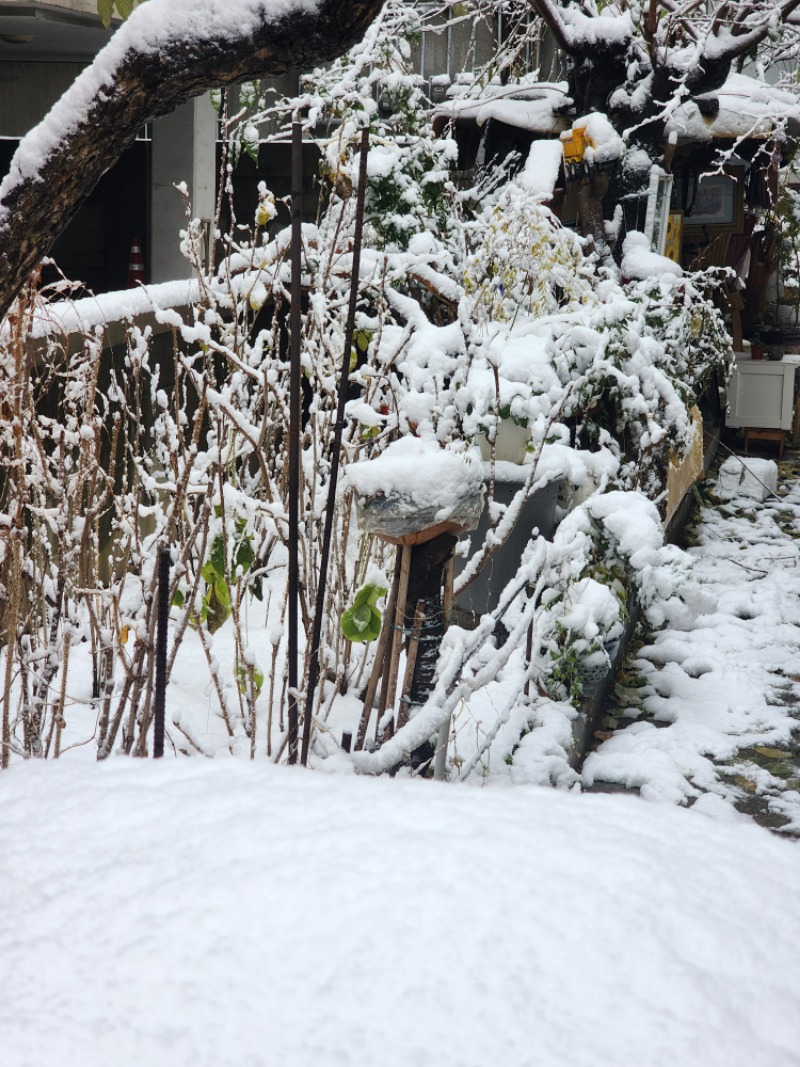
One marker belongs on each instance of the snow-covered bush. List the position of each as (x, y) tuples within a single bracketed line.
[(474, 307)]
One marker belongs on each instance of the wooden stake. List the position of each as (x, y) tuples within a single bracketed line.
[(380, 659), (396, 640)]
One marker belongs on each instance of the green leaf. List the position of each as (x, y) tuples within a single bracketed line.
[(242, 674), (105, 9), (362, 621), (361, 624), (222, 592), (245, 555), (216, 558), (179, 599), (369, 594)]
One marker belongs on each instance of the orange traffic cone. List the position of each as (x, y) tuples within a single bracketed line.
[(137, 275)]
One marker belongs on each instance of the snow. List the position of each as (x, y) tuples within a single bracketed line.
[(604, 143), (638, 261), (540, 173), (418, 471), (212, 914), (124, 305), (527, 106), (747, 108), (713, 712), (747, 477)]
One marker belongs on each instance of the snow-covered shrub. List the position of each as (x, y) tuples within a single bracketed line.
[(524, 261), (639, 361)]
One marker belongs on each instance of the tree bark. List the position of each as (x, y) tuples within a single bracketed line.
[(35, 209)]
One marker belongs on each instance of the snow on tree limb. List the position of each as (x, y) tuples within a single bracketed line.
[(166, 53)]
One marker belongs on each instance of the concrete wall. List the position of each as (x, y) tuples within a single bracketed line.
[(84, 6), (29, 90)]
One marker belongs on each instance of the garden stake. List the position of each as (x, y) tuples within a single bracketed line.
[(164, 563), (411, 662), (380, 659), (294, 432), (316, 636), (395, 644)]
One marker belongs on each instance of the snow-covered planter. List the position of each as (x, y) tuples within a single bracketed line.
[(416, 490)]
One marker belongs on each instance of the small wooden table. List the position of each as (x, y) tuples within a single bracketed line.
[(760, 433)]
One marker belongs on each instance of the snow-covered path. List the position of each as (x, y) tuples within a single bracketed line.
[(716, 708)]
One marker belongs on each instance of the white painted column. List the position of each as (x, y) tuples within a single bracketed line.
[(183, 150)]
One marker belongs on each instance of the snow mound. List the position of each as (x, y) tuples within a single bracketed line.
[(639, 262), (755, 479), (219, 913)]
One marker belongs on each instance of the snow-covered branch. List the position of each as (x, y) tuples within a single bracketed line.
[(166, 53)]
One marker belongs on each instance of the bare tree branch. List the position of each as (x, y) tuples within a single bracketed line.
[(549, 13)]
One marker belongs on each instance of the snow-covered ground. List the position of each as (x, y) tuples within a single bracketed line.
[(221, 913), (717, 705), (226, 912)]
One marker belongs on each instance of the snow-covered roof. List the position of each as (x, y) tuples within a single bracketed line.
[(743, 107), (747, 108), (528, 107)]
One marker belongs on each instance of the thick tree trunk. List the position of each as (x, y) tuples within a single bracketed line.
[(40, 197)]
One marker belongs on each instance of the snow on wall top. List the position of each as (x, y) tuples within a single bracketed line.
[(85, 315), (153, 27)]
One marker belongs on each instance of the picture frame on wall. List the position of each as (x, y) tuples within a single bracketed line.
[(717, 204)]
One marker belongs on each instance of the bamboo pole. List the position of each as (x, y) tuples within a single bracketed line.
[(164, 565), (12, 613)]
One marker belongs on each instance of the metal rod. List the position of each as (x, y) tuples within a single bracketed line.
[(336, 447), (294, 434), (159, 704)]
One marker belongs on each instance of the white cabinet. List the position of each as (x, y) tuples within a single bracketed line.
[(761, 393)]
